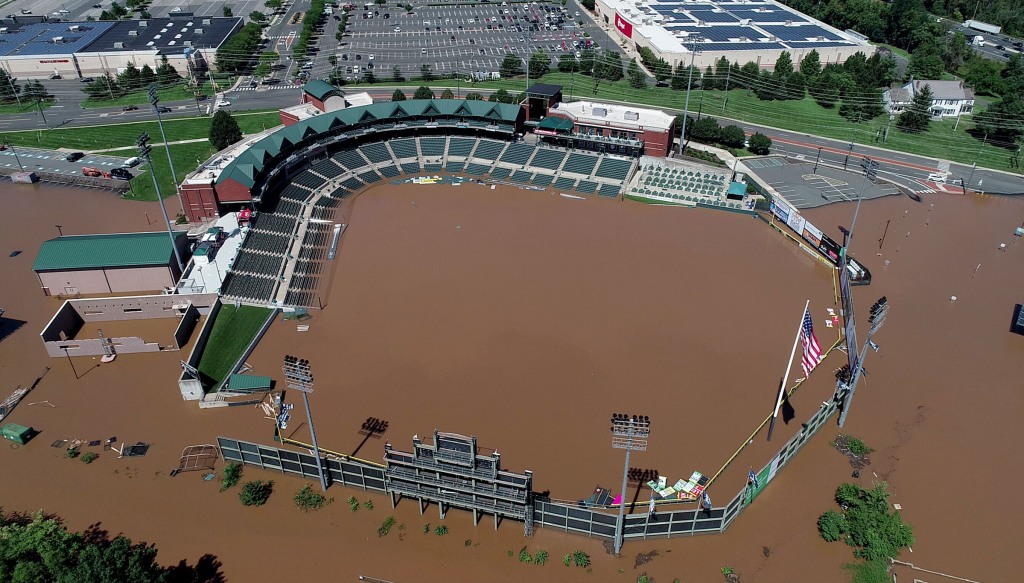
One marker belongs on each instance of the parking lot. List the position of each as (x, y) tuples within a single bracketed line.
[(806, 185), (463, 39), (56, 162)]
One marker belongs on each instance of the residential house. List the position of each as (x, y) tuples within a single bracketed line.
[(949, 98)]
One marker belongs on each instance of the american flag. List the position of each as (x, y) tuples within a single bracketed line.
[(812, 350)]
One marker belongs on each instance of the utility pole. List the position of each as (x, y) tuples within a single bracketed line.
[(39, 104), (689, 80), (155, 100), (14, 88), (847, 161), (15, 152), (144, 151), (816, 160), (725, 101)]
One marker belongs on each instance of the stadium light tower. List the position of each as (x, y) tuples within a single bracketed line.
[(879, 311), (144, 150), (298, 376), (629, 433)]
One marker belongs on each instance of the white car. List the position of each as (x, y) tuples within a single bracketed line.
[(371, 56), (939, 177), (225, 103)]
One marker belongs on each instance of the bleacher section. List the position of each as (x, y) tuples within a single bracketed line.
[(548, 159), (681, 183), (404, 148), (580, 163), (274, 266)]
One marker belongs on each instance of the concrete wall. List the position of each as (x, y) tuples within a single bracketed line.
[(64, 324), (192, 389), (94, 347), (71, 283), (186, 327), (139, 307), (138, 279)]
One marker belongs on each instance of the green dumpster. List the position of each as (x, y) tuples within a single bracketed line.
[(17, 433)]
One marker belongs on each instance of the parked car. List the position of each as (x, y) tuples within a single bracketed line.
[(225, 103), (87, 79), (131, 163), (130, 108), (120, 174), (163, 109), (88, 171), (74, 156), (97, 6)]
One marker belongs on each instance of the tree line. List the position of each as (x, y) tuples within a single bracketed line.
[(132, 79)]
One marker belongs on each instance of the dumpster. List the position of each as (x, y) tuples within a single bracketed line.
[(17, 433)]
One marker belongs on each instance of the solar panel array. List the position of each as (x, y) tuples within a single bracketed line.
[(37, 39), (747, 25)]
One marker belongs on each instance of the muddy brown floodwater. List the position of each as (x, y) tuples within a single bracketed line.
[(526, 319)]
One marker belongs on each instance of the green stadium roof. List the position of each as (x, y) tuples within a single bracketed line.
[(555, 124), (319, 89), (97, 251), (247, 166)]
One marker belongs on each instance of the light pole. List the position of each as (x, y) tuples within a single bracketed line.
[(847, 161), (144, 150), (879, 311), (15, 152), (629, 433), (155, 100), (816, 160), (689, 80), (71, 362), (60, 230), (298, 376)]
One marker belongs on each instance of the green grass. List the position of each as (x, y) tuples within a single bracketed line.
[(186, 158), (117, 135), (167, 94), (806, 116), (29, 107), (233, 330)]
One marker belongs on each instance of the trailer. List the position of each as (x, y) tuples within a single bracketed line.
[(983, 26)]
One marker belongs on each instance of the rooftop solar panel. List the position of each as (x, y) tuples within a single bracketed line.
[(723, 33), (779, 16), (818, 45), (711, 47), (38, 39), (799, 33)]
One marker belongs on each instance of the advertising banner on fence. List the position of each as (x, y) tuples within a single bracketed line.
[(781, 210), (623, 26), (812, 235)]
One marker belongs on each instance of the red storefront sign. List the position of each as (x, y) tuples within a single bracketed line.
[(624, 27)]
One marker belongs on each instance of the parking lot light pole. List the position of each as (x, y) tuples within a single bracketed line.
[(686, 107), (629, 433), (155, 100), (144, 151), (16, 158)]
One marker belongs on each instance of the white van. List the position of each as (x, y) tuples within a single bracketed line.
[(131, 163)]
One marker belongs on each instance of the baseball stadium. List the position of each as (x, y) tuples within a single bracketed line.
[(303, 190)]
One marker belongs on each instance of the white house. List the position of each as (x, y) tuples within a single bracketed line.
[(949, 98)]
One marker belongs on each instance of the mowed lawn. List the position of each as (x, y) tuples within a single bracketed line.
[(806, 116), (233, 330)]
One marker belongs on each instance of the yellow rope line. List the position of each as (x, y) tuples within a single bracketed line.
[(761, 426), (344, 456)]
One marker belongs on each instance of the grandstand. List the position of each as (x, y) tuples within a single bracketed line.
[(681, 183), (298, 177)]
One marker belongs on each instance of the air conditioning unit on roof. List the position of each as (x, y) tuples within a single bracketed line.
[(143, 23), (133, 33), (119, 45), (198, 31)]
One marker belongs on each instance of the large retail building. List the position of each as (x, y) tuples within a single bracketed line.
[(40, 50), (742, 31)]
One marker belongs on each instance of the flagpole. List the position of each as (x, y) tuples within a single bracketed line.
[(785, 379)]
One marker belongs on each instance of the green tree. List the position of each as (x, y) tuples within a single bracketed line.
[(130, 79), (34, 90), (926, 64), (235, 53), (679, 77), (166, 74), (501, 96), (915, 119), (540, 64), (369, 78), (256, 493), (732, 136), (832, 526), (147, 76), (588, 58), (611, 66), (810, 65), (1004, 120), (447, 94), (710, 81), (474, 96), (759, 144), (423, 92), (398, 95), (956, 51), (257, 16), (588, 4), (227, 12), (863, 107), (396, 74), (706, 130), (783, 66), (224, 130), (118, 11), (274, 5), (984, 76), (567, 63), (511, 66), (426, 73), (637, 78), (9, 89)]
